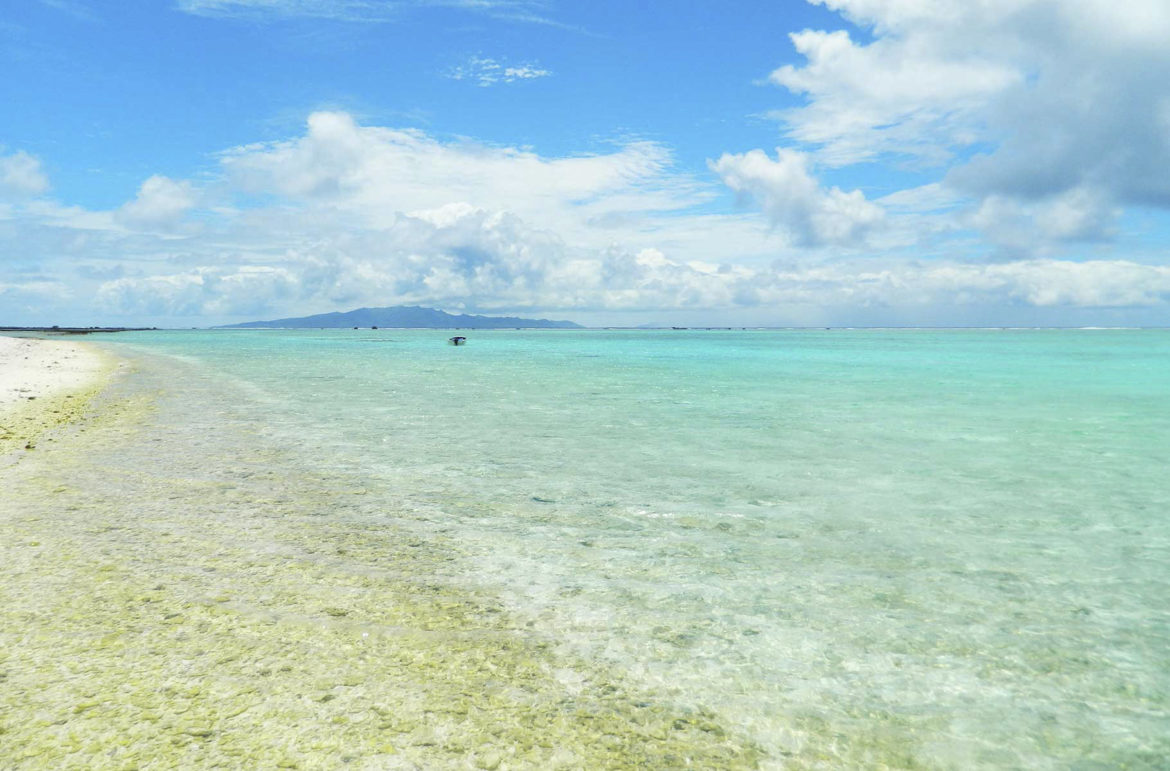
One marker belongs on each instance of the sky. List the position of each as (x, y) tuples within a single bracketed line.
[(181, 163)]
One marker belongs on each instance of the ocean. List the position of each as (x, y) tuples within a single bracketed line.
[(660, 549)]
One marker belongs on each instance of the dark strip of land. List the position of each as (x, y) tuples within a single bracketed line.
[(76, 330)]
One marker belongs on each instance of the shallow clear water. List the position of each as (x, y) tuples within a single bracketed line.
[(902, 548)]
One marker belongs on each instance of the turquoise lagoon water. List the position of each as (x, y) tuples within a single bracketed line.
[(946, 549)]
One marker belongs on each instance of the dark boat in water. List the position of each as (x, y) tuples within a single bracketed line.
[(458, 340)]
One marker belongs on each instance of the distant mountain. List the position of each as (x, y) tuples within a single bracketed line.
[(404, 317)]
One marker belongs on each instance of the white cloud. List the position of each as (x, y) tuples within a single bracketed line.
[(524, 72), (353, 10), (347, 215), (793, 199), (1028, 227), (21, 176), (77, 10), (160, 201), (887, 97), (490, 262), (1046, 113), (486, 72), (53, 214), (371, 174), (203, 291), (1101, 283)]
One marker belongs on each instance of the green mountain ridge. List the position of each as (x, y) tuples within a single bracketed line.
[(403, 317)]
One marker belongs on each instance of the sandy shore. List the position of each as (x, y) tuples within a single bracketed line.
[(44, 383)]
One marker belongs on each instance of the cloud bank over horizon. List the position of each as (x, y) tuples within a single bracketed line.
[(1017, 143)]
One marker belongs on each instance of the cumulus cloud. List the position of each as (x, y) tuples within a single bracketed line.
[(371, 173), (202, 291), (459, 254), (21, 176), (160, 201), (484, 264), (1056, 109), (346, 215), (887, 97), (486, 72), (1099, 283), (794, 200), (1026, 227)]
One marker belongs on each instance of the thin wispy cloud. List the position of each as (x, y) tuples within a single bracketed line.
[(486, 72), (355, 10), (77, 10)]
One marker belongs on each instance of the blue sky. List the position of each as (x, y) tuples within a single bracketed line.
[(183, 162)]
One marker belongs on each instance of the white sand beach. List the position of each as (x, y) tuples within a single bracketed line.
[(42, 383)]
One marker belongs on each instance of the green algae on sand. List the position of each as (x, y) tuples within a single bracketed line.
[(223, 609), (23, 425)]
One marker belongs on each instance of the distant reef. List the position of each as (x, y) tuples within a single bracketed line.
[(55, 330), (403, 317)]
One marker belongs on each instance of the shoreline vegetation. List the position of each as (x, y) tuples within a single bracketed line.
[(222, 608)]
